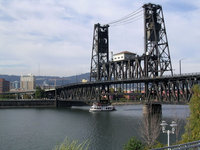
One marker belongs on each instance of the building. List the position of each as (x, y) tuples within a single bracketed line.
[(84, 81), (15, 85), (125, 55), (4, 86), (27, 82)]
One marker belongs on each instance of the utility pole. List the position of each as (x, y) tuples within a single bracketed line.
[(180, 65)]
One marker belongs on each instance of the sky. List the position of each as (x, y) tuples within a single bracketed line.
[(54, 37)]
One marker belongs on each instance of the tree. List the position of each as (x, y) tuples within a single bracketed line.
[(150, 128), (26, 96), (134, 144), (39, 93), (112, 90), (192, 128)]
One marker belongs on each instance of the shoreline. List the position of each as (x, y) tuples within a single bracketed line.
[(126, 103), (142, 103)]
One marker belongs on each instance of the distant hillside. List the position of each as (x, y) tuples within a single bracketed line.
[(10, 78), (50, 80)]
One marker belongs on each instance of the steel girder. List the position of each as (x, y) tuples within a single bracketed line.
[(126, 69), (82, 93), (164, 89), (153, 63), (171, 91), (157, 55), (100, 52)]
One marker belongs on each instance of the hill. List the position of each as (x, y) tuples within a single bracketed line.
[(50, 80)]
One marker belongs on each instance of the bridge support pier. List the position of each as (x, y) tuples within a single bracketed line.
[(152, 109)]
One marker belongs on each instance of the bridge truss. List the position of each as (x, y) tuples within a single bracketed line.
[(161, 89)]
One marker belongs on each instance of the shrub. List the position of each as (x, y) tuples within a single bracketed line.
[(156, 145), (39, 93), (134, 144)]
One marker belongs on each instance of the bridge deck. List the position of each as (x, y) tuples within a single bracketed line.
[(162, 89), (139, 80)]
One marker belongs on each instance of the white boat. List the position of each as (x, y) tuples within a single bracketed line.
[(96, 107)]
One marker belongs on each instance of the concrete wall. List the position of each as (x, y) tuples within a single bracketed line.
[(27, 103), (39, 103)]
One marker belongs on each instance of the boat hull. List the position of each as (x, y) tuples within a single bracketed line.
[(97, 108)]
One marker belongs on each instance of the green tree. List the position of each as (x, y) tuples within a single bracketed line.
[(134, 144), (26, 96), (156, 145), (7, 96), (112, 90), (192, 128), (39, 93)]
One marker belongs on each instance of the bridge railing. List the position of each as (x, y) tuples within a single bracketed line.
[(164, 76), (183, 74), (191, 146)]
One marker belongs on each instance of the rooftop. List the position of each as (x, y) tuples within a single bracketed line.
[(125, 52)]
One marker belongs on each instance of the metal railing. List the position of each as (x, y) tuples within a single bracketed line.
[(187, 146), (183, 74)]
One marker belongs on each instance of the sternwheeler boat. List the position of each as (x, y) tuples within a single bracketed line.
[(97, 107)]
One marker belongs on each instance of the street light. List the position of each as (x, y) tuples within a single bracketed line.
[(173, 125), (180, 64)]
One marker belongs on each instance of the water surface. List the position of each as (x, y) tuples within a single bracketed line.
[(43, 128)]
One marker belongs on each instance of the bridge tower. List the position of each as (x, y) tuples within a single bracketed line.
[(100, 58), (156, 50), (100, 53), (157, 59)]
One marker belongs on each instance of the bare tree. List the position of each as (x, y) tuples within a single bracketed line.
[(177, 131), (150, 128), (179, 121)]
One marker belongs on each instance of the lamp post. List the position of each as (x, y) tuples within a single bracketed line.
[(180, 64), (173, 125)]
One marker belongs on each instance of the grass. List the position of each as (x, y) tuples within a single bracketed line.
[(72, 145)]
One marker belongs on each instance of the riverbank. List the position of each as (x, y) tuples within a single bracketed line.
[(140, 103), (126, 103), (39, 103), (63, 103), (27, 103)]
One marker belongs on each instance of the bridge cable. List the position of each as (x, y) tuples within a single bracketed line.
[(129, 21), (128, 17)]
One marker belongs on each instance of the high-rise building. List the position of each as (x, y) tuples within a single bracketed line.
[(4, 86), (15, 85), (27, 82)]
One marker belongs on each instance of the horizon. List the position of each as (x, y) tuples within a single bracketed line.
[(45, 75)]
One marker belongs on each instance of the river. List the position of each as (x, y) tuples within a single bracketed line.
[(44, 128)]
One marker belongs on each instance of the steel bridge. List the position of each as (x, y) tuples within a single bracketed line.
[(174, 89), (148, 76)]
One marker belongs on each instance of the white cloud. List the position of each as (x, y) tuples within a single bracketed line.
[(58, 34), (184, 38)]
